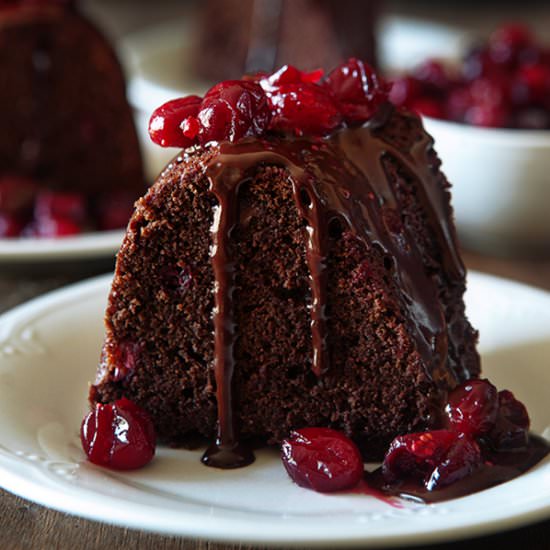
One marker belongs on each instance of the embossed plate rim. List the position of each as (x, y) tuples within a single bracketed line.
[(50, 480)]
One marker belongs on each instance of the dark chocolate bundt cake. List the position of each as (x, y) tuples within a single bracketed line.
[(288, 278), (237, 36), (67, 128)]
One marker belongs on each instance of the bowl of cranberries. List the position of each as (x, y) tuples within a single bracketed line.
[(489, 114)]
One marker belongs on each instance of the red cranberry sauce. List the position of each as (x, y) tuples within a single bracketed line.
[(502, 83), (486, 442), (30, 210), (119, 435), (288, 100)]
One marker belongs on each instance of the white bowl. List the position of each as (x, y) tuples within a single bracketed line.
[(501, 185)]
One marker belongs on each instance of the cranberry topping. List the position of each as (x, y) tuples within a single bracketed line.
[(472, 407), (502, 83), (322, 459), (118, 435), (232, 110), (165, 125), (288, 100), (357, 89), (304, 108)]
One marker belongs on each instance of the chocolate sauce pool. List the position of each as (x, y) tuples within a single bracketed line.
[(343, 177)]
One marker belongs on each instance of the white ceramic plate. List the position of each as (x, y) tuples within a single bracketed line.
[(99, 244), (49, 349)]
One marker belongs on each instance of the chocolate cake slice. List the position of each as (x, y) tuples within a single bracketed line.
[(287, 279), (67, 128)]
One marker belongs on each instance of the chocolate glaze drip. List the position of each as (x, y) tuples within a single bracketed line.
[(340, 176)]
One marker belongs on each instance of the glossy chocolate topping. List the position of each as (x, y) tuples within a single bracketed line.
[(341, 178)]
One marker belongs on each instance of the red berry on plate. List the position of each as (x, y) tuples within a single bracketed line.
[(512, 425), (357, 89), (165, 123), (231, 110), (416, 455), (462, 459), (118, 435), (322, 459), (472, 407)]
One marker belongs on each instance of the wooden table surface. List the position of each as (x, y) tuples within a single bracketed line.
[(25, 525)]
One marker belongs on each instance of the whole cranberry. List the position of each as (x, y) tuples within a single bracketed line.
[(462, 459), (55, 204), (322, 459), (416, 455), (512, 425), (232, 110), (472, 407), (165, 125), (119, 435), (357, 89), (304, 108), (513, 410)]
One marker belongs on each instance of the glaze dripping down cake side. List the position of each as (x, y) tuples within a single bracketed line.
[(316, 280)]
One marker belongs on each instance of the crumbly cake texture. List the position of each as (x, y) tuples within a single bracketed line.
[(65, 119), (159, 347)]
